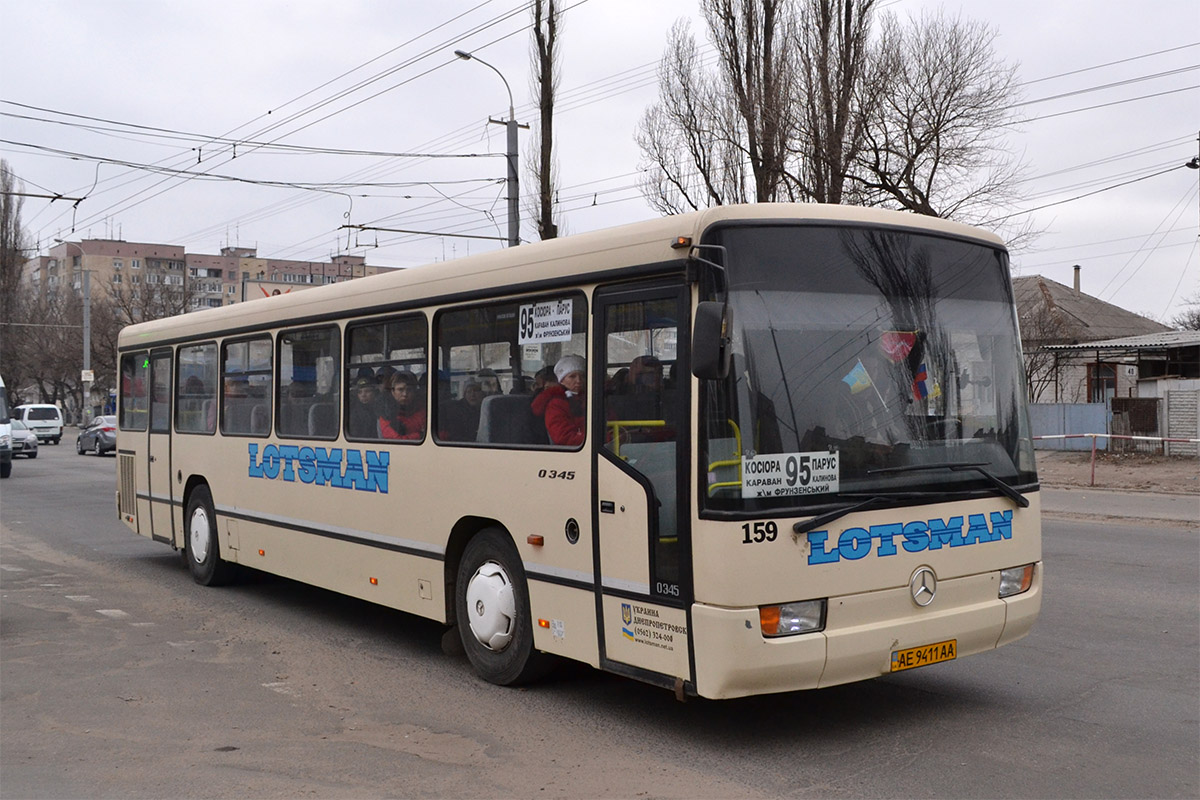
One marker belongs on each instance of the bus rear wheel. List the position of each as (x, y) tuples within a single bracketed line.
[(491, 601), (200, 542)]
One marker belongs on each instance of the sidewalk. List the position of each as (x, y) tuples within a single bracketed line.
[(1177, 509)]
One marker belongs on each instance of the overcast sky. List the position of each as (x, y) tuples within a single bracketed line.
[(306, 73)]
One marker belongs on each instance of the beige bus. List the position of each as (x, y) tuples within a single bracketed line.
[(752, 449)]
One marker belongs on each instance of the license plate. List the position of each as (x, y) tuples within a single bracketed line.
[(924, 655)]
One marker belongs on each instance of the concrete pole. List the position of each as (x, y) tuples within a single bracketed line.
[(514, 193)]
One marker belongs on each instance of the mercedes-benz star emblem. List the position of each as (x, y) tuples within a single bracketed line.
[(923, 586)]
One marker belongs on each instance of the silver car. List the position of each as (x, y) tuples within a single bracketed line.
[(24, 441), (99, 436)]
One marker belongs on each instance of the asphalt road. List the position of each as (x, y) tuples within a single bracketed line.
[(119, 677)]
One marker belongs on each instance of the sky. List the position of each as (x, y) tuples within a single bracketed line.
[(1111, 95)]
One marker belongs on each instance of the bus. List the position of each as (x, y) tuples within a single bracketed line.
[(802, 455)]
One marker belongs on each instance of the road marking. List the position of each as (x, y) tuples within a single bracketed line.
[(81, 598), (281, 688), (8, 568), (181, 645), (115, 613), (142, 624)]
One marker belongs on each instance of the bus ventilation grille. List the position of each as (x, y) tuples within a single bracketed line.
[(125, 472)]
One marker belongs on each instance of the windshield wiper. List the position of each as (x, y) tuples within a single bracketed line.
[(830, 516), (962, 466), (879, 499)]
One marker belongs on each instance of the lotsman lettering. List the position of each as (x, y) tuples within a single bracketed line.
[(329, 467), (288, 453)]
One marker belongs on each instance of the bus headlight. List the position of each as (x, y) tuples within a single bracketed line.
[(1015, 580), (789, 619)]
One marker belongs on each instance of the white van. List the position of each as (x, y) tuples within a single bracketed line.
[(5, 434), (46, 421)]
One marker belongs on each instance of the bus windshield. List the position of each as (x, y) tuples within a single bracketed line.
[(867, 363)]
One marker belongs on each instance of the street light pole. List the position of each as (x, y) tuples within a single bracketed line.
[(514, 214)]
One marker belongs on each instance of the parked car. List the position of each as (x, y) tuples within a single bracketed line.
[(99, 437), (43, 419), (24, 441)]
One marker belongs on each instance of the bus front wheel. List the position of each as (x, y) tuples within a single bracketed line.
[(492, 609), (200, 544)]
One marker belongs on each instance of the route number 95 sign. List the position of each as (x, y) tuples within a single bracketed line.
[(782, 474)]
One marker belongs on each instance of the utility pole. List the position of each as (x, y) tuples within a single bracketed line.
[(514, 193)]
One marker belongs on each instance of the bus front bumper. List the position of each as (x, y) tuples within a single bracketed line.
[(734, 659)]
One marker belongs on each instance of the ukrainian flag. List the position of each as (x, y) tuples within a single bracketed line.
[(858, 380)]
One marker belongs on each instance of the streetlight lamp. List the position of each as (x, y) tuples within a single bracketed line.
[(86, 288), (514, 218)]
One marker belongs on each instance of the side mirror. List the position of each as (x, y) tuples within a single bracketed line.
[(710, 340)]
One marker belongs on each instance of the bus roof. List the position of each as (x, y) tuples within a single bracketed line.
[(609, 250)]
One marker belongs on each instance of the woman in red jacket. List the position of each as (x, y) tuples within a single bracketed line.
[(562, 404), (406, 419)]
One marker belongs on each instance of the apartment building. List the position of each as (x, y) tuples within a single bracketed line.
[(212, 280)]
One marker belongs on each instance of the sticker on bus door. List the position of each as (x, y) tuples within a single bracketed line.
[(784, 474)]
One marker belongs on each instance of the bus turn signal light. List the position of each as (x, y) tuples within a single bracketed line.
[(374, 581), (789, 619), (543, 623), (1016, 580), (681, 242)]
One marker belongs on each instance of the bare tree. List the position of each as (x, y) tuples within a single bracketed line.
[(1189, 318), (838, 91), (547, 20), (724, 136), (807, 104), (1043, 325), (935, 141), (138, 302)]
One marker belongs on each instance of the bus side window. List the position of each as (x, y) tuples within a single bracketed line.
[(196, 389), (375, 351), (488, 356), (134, 391), (308, 378), (246, 381)]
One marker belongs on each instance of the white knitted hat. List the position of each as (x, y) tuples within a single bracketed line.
[(568, 364)]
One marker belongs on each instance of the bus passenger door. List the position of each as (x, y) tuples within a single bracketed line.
[(158, 460), (643, 565)]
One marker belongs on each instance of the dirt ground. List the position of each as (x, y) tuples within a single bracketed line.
[(1127, 471)]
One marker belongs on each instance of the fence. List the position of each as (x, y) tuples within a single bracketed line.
[(1095, 436), (1052, 421)]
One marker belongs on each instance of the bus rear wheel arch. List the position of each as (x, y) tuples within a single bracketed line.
[(491, 603), (201, 546)]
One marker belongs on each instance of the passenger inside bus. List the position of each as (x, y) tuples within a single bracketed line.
[(460, 418), (640, 397), (407, 418), (365, 409), (563, 405), (543, 378)]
